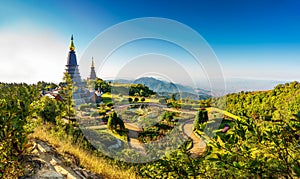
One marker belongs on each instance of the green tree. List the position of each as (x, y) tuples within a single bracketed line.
[(110, 122), (67, 93), (103, 85), (121, 124), (46, 108), (169, 116), (140, 90), (205, 116), (198, 120), (114, 122)]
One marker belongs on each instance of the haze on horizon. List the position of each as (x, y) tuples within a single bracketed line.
[(251, 39)]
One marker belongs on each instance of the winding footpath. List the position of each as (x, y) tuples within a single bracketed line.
[(199, 145)]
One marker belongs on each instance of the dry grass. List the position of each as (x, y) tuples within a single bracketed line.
[(226, 113), (87, 159)]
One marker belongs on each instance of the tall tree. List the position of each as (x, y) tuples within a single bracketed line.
[(67, 93), (114, 121)]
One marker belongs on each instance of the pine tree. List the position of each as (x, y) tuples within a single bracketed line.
[(109, 122), (205, 115), (121, 124), (198, 119), (114, 121), (67, 92)]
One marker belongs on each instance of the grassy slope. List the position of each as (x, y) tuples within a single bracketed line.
[(87, 159)]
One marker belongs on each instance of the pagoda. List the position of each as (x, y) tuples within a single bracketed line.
[(72, 69), (72, 66), (93, 75)]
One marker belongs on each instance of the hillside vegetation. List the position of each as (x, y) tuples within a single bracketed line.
[(283, 102), (262, 143)]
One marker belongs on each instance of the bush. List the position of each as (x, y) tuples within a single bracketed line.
[(46, 108), (136, 100)]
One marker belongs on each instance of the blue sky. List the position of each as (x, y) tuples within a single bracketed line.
[(251, 39)]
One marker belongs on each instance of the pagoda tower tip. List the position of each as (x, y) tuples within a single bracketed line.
[(72, 47)]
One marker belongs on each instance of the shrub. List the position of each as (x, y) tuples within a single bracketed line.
[(46, 108)]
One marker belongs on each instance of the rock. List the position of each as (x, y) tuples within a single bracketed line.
[(46, 163), (85, 173), (55, 161), (79, 174), (43, 147), (48, 174), (64, 172)]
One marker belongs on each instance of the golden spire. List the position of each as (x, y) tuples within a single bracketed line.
[(72, 47), (93, 62)]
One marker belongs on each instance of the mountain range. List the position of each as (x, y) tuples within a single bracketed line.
[(233, 85), (165, 88)]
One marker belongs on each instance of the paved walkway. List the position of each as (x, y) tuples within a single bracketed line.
[(133, 135), (198, 145)]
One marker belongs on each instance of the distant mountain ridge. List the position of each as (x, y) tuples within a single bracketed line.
[(165, 88), (233, 85)]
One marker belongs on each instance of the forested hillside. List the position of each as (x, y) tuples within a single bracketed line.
[(265, 141), (280, 103)]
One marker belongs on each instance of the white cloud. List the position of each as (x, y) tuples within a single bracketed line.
[(31, 55)]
